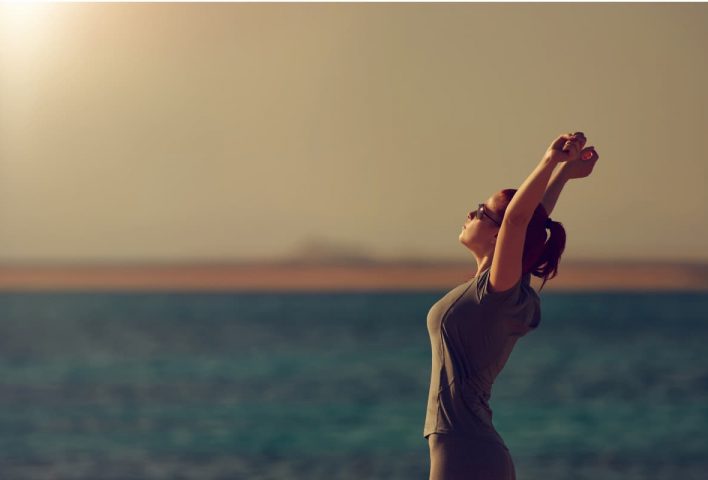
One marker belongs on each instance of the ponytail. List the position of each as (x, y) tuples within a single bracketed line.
[(546, 266)]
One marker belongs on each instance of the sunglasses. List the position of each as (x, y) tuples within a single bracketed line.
[(481, 211)]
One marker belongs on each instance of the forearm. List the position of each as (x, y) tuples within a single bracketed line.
[(558, 181), (531, 192)]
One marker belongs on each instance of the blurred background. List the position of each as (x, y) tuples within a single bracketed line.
[(222, 227)]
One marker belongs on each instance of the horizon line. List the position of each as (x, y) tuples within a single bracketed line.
[(335, 261)]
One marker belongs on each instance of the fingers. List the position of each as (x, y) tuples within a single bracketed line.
[(562, 142), (580, 136), (559, 142), (572, 146)]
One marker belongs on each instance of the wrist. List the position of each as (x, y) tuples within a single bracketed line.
[(549, 162), (562, 173)]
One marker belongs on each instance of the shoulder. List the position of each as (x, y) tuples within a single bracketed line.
[(520, 292)]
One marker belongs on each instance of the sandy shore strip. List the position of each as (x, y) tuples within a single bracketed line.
[(332, 277)]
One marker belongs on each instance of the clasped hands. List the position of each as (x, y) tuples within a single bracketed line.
[(577, 161)]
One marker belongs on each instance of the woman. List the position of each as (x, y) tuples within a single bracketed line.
[(474, 327)]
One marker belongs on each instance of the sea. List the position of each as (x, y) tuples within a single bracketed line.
[(217, 385)]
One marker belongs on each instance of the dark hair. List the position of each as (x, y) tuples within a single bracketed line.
[(541, 254)]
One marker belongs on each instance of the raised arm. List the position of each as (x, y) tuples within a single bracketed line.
[(579, 168), (554, 188), (505, 271)]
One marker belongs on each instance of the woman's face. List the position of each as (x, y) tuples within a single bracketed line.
[(480, 233)]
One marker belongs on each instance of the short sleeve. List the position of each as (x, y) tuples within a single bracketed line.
[(509, 297), (520, 306)]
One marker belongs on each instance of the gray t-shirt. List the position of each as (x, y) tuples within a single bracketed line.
[(472, 333)]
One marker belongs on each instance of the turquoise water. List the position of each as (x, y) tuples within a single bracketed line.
[(334, 386)]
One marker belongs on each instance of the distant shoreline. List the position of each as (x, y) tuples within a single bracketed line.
[(339, 276)]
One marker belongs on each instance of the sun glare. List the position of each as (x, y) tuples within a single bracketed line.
[(23, 24)]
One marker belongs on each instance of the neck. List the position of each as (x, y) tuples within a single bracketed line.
[(483, 262)]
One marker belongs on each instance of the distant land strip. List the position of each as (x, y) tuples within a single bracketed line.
[(339, 276)]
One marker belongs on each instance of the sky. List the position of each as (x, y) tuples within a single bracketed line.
[(230, 132)]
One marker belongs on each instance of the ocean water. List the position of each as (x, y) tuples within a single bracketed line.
[(334, 386)]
